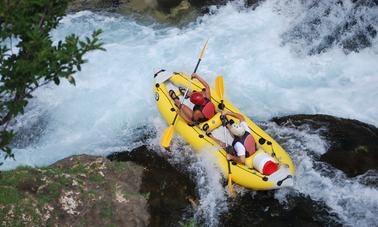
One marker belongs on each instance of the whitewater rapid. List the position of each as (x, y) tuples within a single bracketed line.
[(112, 102), (266, 75)]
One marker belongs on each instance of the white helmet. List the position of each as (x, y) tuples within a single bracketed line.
[(237, 129)]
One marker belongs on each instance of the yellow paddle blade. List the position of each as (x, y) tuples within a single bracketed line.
[(230, 186), (167, 137), (219, 86), (203, 49)]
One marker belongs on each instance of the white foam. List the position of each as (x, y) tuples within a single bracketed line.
[(209, 181)]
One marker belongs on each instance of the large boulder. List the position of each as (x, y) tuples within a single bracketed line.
[(353, 144), (137, 188), (170, 11), (76, 191), (171, 191)]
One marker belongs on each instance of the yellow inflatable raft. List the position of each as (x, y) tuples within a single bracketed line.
[(197, 136)]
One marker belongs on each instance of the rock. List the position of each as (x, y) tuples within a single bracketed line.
[(137, 6), (95, 5), (93, 191), (353, 144), (167, 5), (161, 10), (262, 209), (72, 192), (169, 191), (204, 3), (253, 3), (169, 11)]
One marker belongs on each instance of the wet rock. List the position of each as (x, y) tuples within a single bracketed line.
[(167, 5), (170, 191), (262, 209), (252, 2), (353, 144), (78, 5), (161, 10), (203, 3), (170, 11)]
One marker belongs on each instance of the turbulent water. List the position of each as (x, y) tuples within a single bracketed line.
[(284, 57)]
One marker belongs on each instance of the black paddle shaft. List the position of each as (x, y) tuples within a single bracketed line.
[(229, 167), (195, 69)]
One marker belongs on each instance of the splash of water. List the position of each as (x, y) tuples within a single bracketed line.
[(209, 181), (111, 99)]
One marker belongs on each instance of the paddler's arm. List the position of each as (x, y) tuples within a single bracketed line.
[(220, 143), (203, 82), (236, 115), (238, 159)]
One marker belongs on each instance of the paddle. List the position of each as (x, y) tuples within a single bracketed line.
[(168, 134), (219, 88)]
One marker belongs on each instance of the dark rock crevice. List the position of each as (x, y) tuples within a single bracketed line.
[(169, 190)]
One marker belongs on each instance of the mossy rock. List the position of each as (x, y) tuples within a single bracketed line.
[(79, 190)]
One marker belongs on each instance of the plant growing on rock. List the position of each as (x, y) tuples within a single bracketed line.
[(29, 57)]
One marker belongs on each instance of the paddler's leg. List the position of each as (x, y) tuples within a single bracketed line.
[(183, 90), (184, 111)]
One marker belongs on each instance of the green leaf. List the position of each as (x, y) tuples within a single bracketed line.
[(37, 62)]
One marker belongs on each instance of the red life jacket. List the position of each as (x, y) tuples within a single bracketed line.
[(248, 142), (207, 110)]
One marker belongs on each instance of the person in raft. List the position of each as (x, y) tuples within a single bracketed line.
[(243, 144), (203, 108)]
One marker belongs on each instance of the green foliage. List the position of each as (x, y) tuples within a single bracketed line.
[(188, 223), (30, 59), (146, 195), (96, 178), (78, 168), (9, 195), (106, 210), (119, 166), (13, 178)]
